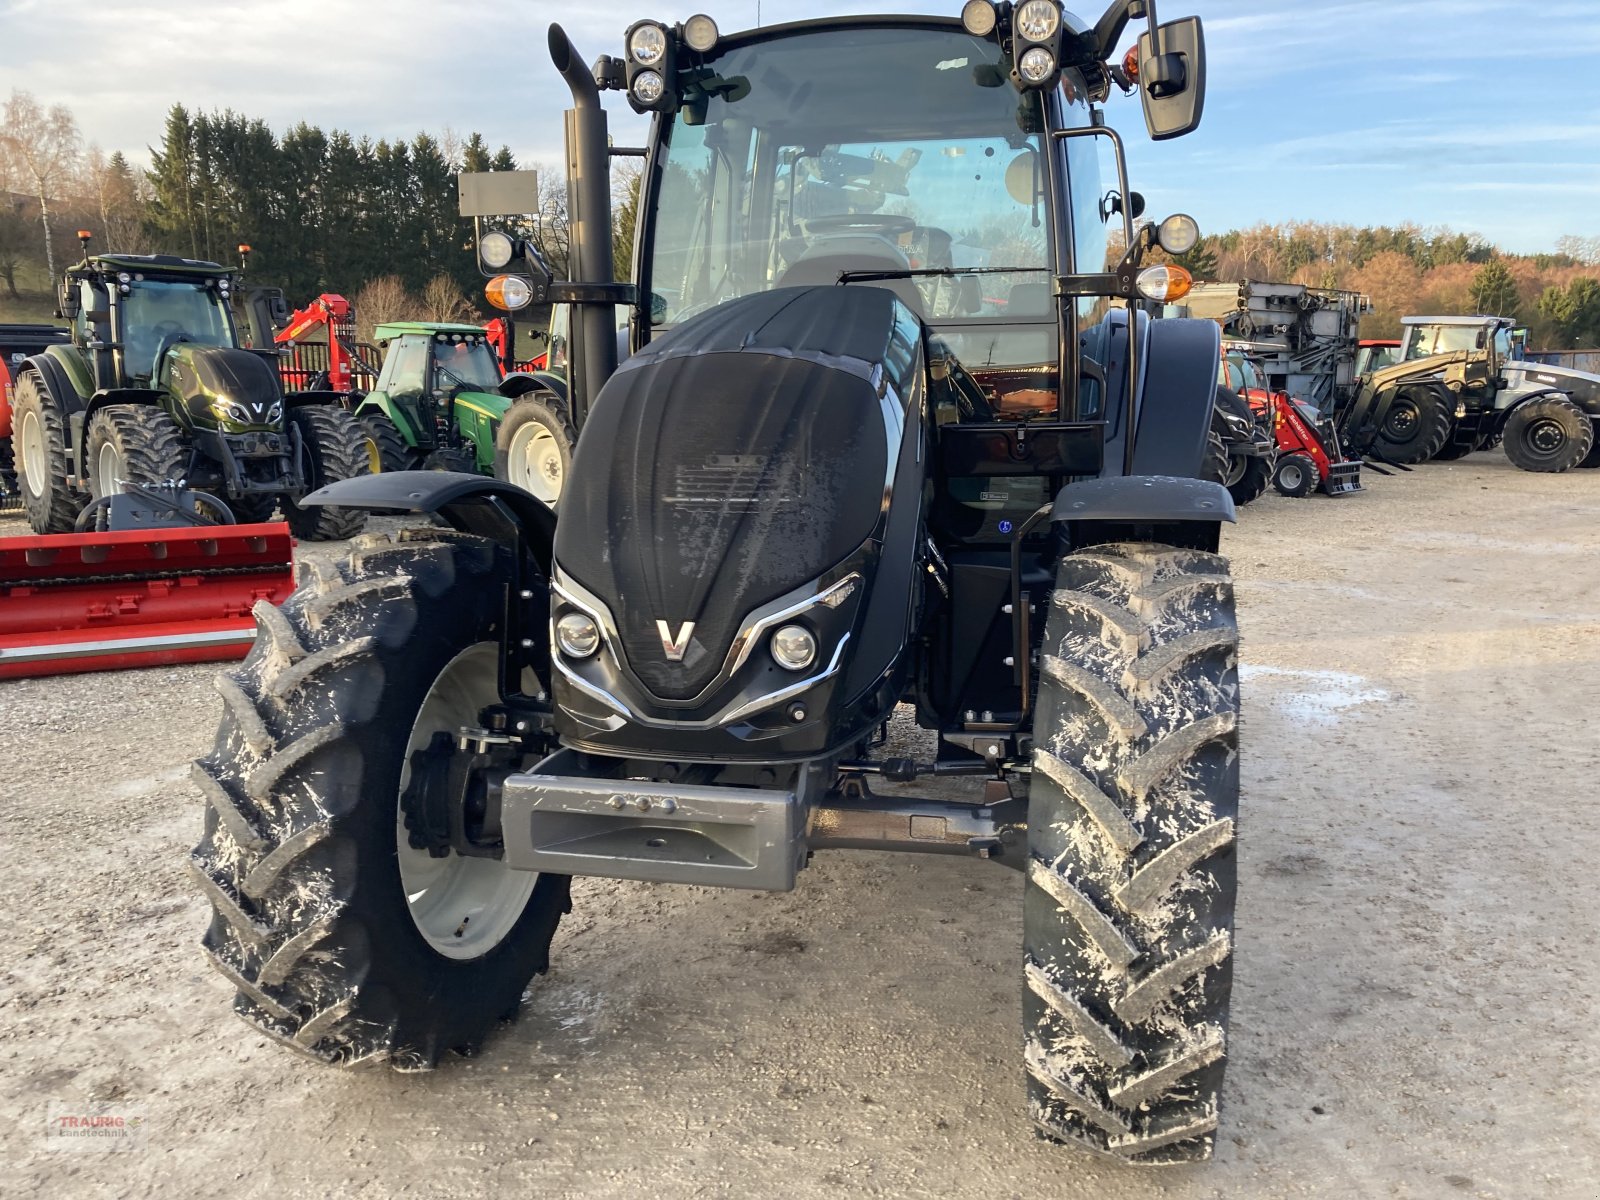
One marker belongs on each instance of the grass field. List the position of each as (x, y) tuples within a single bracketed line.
[(37, 305)]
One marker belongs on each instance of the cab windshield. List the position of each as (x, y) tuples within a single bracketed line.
[(464, 366), (860, 150), (1424, 341), (156, 314)]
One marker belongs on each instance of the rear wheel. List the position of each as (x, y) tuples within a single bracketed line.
[(343, 935), (1548, 433), (1128, 909), (40, 444), (332, 447), (533, 447), (1417, 425), (133, 443), (1249, 478), (1295, 475), (386, 448)]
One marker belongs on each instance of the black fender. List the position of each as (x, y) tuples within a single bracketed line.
[(1498, 425), (1181, 510), (471, 503), (1178, 388), (520, 383)]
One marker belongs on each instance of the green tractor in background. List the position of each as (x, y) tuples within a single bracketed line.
[(153, 387), (443, 404)]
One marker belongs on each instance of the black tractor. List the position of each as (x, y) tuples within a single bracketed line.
[(153, 388), (891, 438)]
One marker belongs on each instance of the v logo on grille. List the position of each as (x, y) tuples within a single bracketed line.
[(675, 646)]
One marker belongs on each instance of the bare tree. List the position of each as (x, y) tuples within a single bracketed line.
[(43, 143), (443, 301), (384, 299)]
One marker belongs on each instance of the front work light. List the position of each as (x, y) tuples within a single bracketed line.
[(1178, 233), (652, 65), (1037, 32), (700, 33), (1164, 284), (978, 18), (497, 250), (508, 292)]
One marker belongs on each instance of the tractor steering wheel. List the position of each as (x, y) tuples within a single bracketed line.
[(875, 222)]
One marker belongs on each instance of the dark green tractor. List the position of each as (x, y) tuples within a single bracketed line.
[(153, 387), (442, 404)]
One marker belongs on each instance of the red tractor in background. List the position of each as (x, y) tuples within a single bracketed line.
[(1309, 456)]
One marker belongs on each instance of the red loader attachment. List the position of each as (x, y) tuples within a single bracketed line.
[(137, 597)]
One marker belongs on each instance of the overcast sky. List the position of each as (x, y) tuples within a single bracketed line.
[(1473, 114)]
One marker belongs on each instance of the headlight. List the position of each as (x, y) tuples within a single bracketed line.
[(1036, 64), (794, 648), (226, 408), (274, 414), (1178, 233), (978, 17), (577, 635), (508, 292), (648, 87), (496, 250), (1038, 20), (700, 32), (647, 44), (124, 277)]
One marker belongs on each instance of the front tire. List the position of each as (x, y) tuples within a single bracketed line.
[(136, 443), (533, 448), (1548, 434), (333, 447), (42, 461), (1128, 910), (1417, 425), (386, 448), (342, 939), (1295, 475), (1249, 478)]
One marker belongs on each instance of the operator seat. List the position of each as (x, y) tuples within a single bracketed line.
[(825, 258)]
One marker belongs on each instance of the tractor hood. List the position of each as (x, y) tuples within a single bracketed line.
[(734, 460), (221, 386)]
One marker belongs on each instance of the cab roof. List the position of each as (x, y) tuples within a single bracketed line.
[(396, 329), (167, 264), (1457, 320)]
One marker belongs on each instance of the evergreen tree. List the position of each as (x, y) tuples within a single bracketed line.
[(1494, 292)]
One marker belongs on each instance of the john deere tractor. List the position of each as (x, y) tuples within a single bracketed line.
[(153, 387), (891, 439), (442, 404)]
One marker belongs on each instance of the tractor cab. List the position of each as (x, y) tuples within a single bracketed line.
[(1424, 337), (129, 310), (427, 368)]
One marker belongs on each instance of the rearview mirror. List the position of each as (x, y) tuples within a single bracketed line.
[(1172, 78)]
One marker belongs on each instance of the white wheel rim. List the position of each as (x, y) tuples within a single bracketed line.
[(108, 472), (35, 462), (1292, 477), (534, 462), (463, 907)]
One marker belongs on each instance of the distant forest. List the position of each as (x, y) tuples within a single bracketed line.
[(332, 211)]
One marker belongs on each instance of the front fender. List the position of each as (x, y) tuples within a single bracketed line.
[(1178, 388), (1162, 508), (471, 503)]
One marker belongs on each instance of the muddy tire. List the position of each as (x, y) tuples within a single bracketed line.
[(533, 447), (386, 448), (132, 442), (1548, 434), (40, 444), (1249, 478), (1417, 425), (1295, 475), (1128, 910), (333, 447), (461, 459), (334, 929), (253, 507), (1215, 465)]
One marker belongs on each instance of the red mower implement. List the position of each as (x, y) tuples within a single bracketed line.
[(138, 596)]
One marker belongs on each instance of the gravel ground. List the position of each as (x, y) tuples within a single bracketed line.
[(1415, 983)]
